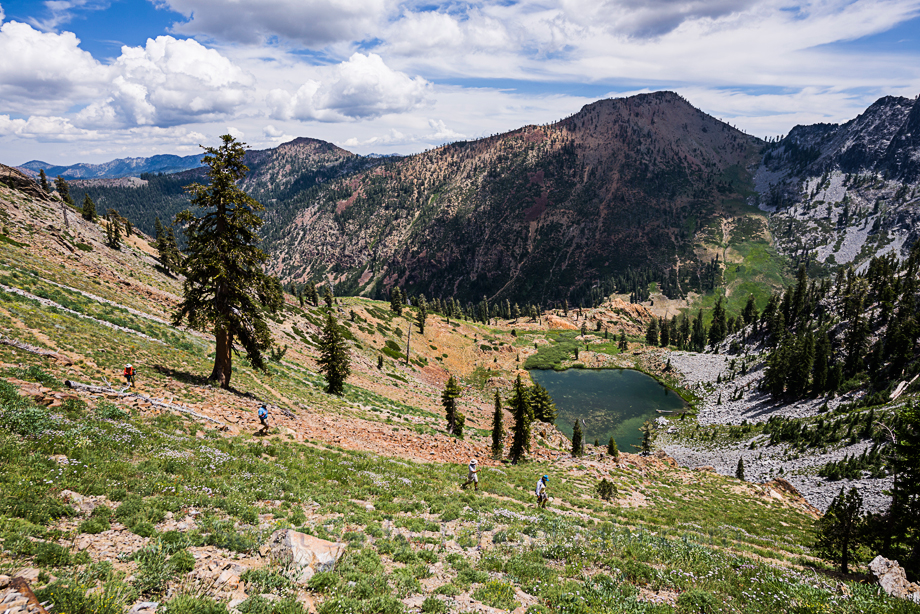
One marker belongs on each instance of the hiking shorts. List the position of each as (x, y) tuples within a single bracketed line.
[(472, 477)]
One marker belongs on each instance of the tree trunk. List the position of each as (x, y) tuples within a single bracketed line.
[(223, 366)]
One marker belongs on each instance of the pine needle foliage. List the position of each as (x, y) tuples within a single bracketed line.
[(498, 428), (523, 416), (225, 290), (333, 361), (449, 401)]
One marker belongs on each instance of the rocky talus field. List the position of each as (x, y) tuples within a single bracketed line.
[(165, 497)]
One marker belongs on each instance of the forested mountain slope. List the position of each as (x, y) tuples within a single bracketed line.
[(276, 177), (540, 213)]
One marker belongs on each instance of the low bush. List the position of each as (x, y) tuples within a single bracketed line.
[(72, 595), (497, 594), (187, 604), (260, 605), (110, 411)]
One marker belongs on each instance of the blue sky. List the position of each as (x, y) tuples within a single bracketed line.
[(92, 80)]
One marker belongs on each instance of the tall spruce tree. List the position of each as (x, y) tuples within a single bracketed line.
[(749, 314), (43, 181), (333, 360), (449, 401), (542, 405), (113, 230), (648, 435), (838, 531), (522, 415), (88, 211), (225, 290), (622, 344), (422, 315), (739, 469), (578, 439), (328, 298), (396, 300), (718, 330), (651, 332), (498, 428)]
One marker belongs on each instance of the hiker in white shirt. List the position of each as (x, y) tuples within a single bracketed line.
[(472, 477), (542, 497)]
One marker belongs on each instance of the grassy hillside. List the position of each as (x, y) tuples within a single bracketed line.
[(115, 500)]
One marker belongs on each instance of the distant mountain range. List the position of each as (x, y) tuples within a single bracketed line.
[(123, 167), (624, 193)]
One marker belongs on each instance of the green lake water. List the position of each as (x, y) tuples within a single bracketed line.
[(611, 401)]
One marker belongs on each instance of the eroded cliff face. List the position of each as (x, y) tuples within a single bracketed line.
[(538, 213), (843, 194)]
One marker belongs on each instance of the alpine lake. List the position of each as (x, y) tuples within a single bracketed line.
[(612, 402)]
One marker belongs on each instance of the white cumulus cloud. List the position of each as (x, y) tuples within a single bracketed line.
[(170, 82), (44, 72), (362, 87)]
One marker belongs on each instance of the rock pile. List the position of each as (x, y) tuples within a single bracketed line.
[(310, 554), (17, 598)]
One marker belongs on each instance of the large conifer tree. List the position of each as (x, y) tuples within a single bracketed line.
[(498, 428), (542, 405), (333, 357), (523, 416), (225, 290)]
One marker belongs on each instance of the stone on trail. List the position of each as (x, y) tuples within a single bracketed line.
[(311, 554), (892, 579)]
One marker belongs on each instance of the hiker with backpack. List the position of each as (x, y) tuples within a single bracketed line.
[(263, 418), (129, 374), (472, 476), (542, 497)]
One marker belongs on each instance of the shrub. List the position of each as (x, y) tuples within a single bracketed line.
[(21, 415), (450, 590), (606, 490), (187, 604), (110, 411), (266, 580), (260, 605), (72, 595), (434, 606), (153, 573), (182, 561), (497, 594), (94, 525), (697, 601), (323, 581), (51, 555)]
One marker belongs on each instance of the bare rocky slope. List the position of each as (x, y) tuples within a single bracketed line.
[(842, 194)]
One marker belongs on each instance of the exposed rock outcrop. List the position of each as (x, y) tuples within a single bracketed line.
[(310, 554), (892, 579)]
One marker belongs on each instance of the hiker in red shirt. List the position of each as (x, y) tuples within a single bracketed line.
[(129, 374)]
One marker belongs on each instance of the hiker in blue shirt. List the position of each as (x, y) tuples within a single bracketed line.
[(263, 417)]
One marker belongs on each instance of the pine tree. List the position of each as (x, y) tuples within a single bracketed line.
[(422, 314), (698, 335), (328, 298), (542, 405), (648, 434), (750, 311), (113, 231), (522, 415), (651, 333), (449, 401), (718, 330), (739, 470), (578, 443), (622, 344), (63, 190), (498, 429), (612, 449), (838, 531), (43, 181), (664, 338), (313, 295), (88, 212), (129, 230), (225, 290), (333, 360), (396, 300)]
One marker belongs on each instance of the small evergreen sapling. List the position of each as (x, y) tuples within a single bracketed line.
[(449, 401), (612, 449), (606, 489), (578, 443), (739, 470)]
